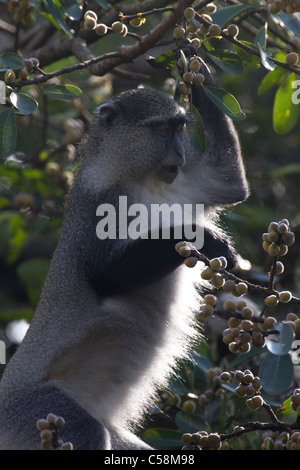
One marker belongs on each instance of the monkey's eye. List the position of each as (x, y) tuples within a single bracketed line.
[(164, 131), (179, 129)]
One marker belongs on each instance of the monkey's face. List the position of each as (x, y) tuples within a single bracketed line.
[(139, 134)]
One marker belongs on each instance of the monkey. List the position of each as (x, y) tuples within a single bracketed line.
[(116, 315)]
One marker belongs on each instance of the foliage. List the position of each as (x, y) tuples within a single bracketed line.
[(59, 59)]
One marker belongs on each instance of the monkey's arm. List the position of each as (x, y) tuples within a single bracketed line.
[(118, 266), (224, 178)]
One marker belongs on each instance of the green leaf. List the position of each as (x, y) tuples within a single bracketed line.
[(228, 61), (103, 4), (163, 438), (281, 344), (285, 113), (196, 131), (247, 57), (8, 132), (189, 422), (264, 55), (291, 22), (286, 170), (167, 59), (52, 10), (261, 36), (16, 314), (33, 273), (63, 92), (11, 60), (225, 101), (24, 103), (271, 79), (276, 373), (225, 15)]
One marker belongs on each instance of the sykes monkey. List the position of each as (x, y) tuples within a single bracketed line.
[(115, 315)]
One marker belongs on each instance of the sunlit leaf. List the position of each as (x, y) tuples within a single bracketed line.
[(167, 59), (285, 112), (281, 344), (271, 79), (52, 10), (264, 55), (247, 57), (63, 92), (25, 104), (225, 101)]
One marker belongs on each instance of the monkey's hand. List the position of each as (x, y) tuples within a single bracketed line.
[(189, 51)]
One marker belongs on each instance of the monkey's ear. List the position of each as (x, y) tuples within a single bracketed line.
[(107, 113)]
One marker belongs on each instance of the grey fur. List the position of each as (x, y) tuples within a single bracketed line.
[(95, 357)]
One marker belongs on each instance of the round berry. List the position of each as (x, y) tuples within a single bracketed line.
[(271, 300), (136, 22), (292, 58), (188, 77), (189, 13), (285, 296), (90, 14), (214, 30), (215, 264), (179, 33), (90, 23), (117, 27), (233, 30), (199, 78), (191, 261), (9, 76), (101, 29), (196, 43), (184, 89)]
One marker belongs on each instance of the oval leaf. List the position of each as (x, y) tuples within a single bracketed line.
[(247, 57), (281, 344), (228, 61), (264, 55), (24, 103), (196, 131), (276, 373), (271, 79), (11, 60), (188, 422), (167, 59), (291, 22), (224, 15), (261, 36), (225, 101), (285, 112), (8, 132), (63, 92)]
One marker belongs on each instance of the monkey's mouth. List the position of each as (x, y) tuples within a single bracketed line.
[(172, 169), (168, 173)]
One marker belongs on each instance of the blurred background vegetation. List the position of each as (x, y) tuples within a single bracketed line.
[(35, 178)]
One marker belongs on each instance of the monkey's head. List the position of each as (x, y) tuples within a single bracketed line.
[(136, 134)]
